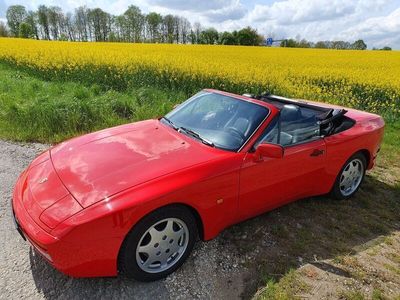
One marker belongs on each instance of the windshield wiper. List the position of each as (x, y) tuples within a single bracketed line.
[(170, 123), (196, 135)]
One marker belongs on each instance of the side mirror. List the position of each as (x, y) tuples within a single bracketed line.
[(268, 150)]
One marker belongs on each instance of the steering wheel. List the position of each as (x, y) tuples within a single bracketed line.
[(236, 132)]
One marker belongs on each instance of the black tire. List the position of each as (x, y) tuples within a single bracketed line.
[(336, 192), (127, 263)]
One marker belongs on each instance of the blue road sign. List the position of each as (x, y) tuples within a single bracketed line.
[(270, 41)]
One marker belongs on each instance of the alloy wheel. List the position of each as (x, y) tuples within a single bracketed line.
[(351, 177), (162, 245)]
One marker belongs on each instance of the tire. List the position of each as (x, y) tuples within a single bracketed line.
[(356, 164), (167, 234)]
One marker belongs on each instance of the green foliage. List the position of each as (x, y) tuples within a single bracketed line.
[(249, 37), (36, 110), (25, 30), (228, 38), (63, 37), (352, 295), (209, 36), (154, 21), (359, 45), (16, 14), (288, 287)]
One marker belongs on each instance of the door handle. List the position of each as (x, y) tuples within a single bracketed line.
[(317, 152)]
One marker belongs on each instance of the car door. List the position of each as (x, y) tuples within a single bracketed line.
[(272, 182)]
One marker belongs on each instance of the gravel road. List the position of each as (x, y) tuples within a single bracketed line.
[(212, 271)]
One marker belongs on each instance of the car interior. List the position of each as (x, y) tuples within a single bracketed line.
[(229, 123), (301, 122)]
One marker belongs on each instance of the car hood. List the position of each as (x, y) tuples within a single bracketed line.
[(99, 165)]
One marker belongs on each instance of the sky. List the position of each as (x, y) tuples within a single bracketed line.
[(377, 22)]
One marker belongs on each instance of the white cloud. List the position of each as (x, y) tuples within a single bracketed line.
[(193, 5), (328, 20), (300, 11), (382, 31), (234, 12)]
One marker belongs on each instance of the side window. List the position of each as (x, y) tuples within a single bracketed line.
[(290, 132), (270, 134)]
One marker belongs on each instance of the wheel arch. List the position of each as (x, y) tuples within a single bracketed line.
[(193, 211), (366, 154), (196, 215)]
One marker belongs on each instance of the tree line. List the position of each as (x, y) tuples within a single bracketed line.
[(86, 24), (339, 45)]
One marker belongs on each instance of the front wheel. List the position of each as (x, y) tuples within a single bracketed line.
[(350, 177), (159, 244)]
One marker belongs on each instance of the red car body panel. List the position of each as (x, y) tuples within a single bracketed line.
[(77, 201)]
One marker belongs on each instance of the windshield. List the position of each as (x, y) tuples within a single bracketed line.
[(217, 120)]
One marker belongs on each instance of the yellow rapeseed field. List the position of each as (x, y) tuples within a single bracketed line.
[(363, 79)]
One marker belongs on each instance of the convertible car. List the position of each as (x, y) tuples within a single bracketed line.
[(133, 199)]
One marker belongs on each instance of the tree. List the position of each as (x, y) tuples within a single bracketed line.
[(359, 45), (168, 29), (54, 15), (195, 33), (69, 28), (99, 21), (176, 30), (154, 21), (227, 38), (121, 28), (32, 20), (290, 43), (321, 45), (81, 23), (43, 21), (25, 30), (249, 37), (3, 29), (386, 48), (340, 45), (63, 37), (184, 29), (304, 44), (209, 36), (15, 15), (134, 23)]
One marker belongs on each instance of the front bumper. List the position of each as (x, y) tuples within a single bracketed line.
[(27, 227), (78, 253), (16, 224)]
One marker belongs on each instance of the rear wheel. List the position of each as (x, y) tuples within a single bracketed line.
[(159, 244), (350, 177)]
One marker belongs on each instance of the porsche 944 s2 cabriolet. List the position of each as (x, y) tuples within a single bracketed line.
[(133, 199)]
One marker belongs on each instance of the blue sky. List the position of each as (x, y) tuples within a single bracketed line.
[(375, 21)]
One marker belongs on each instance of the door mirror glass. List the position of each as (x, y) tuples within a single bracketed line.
[(269, 150)]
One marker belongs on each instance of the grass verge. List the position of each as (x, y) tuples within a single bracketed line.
[(35, 110)]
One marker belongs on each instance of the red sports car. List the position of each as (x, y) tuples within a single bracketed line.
[(132, 199)]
